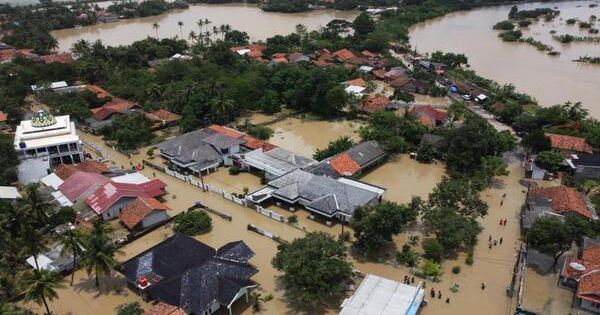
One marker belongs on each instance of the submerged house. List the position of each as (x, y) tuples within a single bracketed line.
[(322, 195), (581, 274), (144, 213), (190, 275), (585, 166), (275, 162), (351, 162), (104, 115), (555, 201), (569, 144)]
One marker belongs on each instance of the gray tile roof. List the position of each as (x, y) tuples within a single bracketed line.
[(189, 274), (324, 194), (366, 152)]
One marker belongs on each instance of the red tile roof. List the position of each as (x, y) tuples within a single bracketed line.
[(344, 164), (64, 171), (226, 131), (81, 182), (140, 208), (64, 58), (280, 60), (380, 73), (164, 309), (400, 82), (569, 143), (438, 115), (589, 286), (322, 63), (428, 121), (116, 106), (375, 104), (112, 192), (163, 115), (369, 54), (3, 116), (357, 82), (564, 200), (251, 142), (344, 54)]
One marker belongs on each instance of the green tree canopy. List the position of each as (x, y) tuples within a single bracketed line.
[(334, 147), (192, 223)]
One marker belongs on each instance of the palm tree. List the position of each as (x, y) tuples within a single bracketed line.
[(35, 205), (100, 251), (200, 24), (41, 287), (155, 26), (215, 31), (32, 243), (193, 36), (222, 109), (180, 23), (72, 244)]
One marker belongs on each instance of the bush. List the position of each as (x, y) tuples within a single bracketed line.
[(524, 23), (511, 36), (433, 249), (505, 25), (150, 152), (407, 257), (292, 219), (345, 237), (192, 223), (430, 268), (425, 153), (549, 160), (585, 25), (130, 309), (456, 270), (469, 259), (234, 170), (571, 21)]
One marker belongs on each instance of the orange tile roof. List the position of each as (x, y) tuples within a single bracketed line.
[(380, 73), (428, 121), (3, 116), (254, 143), (344, 54), (322, 63), (357, 82), (279, 55), (344, 164), (164, 309), (375, 104), (368, 53), (280, 60), (64, 171), (94, 89), (589, 286), (64, 58), (163, 115), (140, 208), (569, 143), (115, 106), (564, 200), (226, 131)]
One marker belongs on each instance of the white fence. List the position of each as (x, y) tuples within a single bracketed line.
[(270, 214)]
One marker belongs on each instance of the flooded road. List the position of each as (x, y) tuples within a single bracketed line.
[(244, 17), (550, 79)]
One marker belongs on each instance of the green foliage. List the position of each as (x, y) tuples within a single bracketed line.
[(288, 6), (407, 257), (397, 134), (536, 141), (258, 132), (403, 96), (334, 147), (571, 21), (491, 167), (133, 308), (363, 24), (524, 23), (64, 215), (41, 286), (433, 250), (100, 251), (511, 36), (8, 160), (293, 219), (425, 153), (130, 131), (234, 170), (73, 104), (469, 259), (374, 226), (505, 25), (550, 236), (130, 9), (315, 270), (437, 91), (430, 268), (549, 160), (452, 60), (192, 223)]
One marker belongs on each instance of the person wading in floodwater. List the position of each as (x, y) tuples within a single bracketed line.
[(483, 286)]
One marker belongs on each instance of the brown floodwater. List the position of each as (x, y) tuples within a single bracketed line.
[(259, 24), (550, 79)]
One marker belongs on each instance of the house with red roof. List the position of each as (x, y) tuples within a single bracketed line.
[(163, 118), (64, 171), (429, 116), (80, 185), (556, 201), (351, 162), (164, 309), (103, 116), (64, 58), (569, 144), (343, 55), (144, 213), (112, 198), (581, 274), (99, 92), (374, 104)]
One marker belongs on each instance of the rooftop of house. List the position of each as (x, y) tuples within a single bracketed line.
[(3, 116), (163, 115), (344, 54), (277, 160), (9, 192), (164, 309), (569, 143), (589, 160), (115, 106), (356, 82), (585, 269), (438, 115), (350, 161), (375, 104), (189, 274), (562, 200), (112, 192), (64, 58), (140, 208), (79, 183), (64, 171), (323, 194), (250, 142), (44, 130)]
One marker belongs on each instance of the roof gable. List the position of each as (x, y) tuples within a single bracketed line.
[(140, 208)]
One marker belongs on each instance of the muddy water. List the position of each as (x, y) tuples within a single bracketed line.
[(244, 17), (551, 80), (543, 295), (306, 136)]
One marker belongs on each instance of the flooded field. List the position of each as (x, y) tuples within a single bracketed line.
[(305, 136), (551, 80), (244, 17), (543, 295)]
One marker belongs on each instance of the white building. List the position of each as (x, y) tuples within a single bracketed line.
[(48, 136)]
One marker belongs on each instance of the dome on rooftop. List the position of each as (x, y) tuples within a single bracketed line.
[(42, 119)]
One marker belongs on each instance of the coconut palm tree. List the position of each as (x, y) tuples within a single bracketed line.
[(180, 24), (72, 244), (100, 251), (35, 205), (41, 287), (32, 243), (193, 37), (155, 26), (200, 24)]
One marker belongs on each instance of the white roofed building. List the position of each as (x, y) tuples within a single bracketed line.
[(48, 136)]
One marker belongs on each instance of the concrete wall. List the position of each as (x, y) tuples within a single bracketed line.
[(154, 218)]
